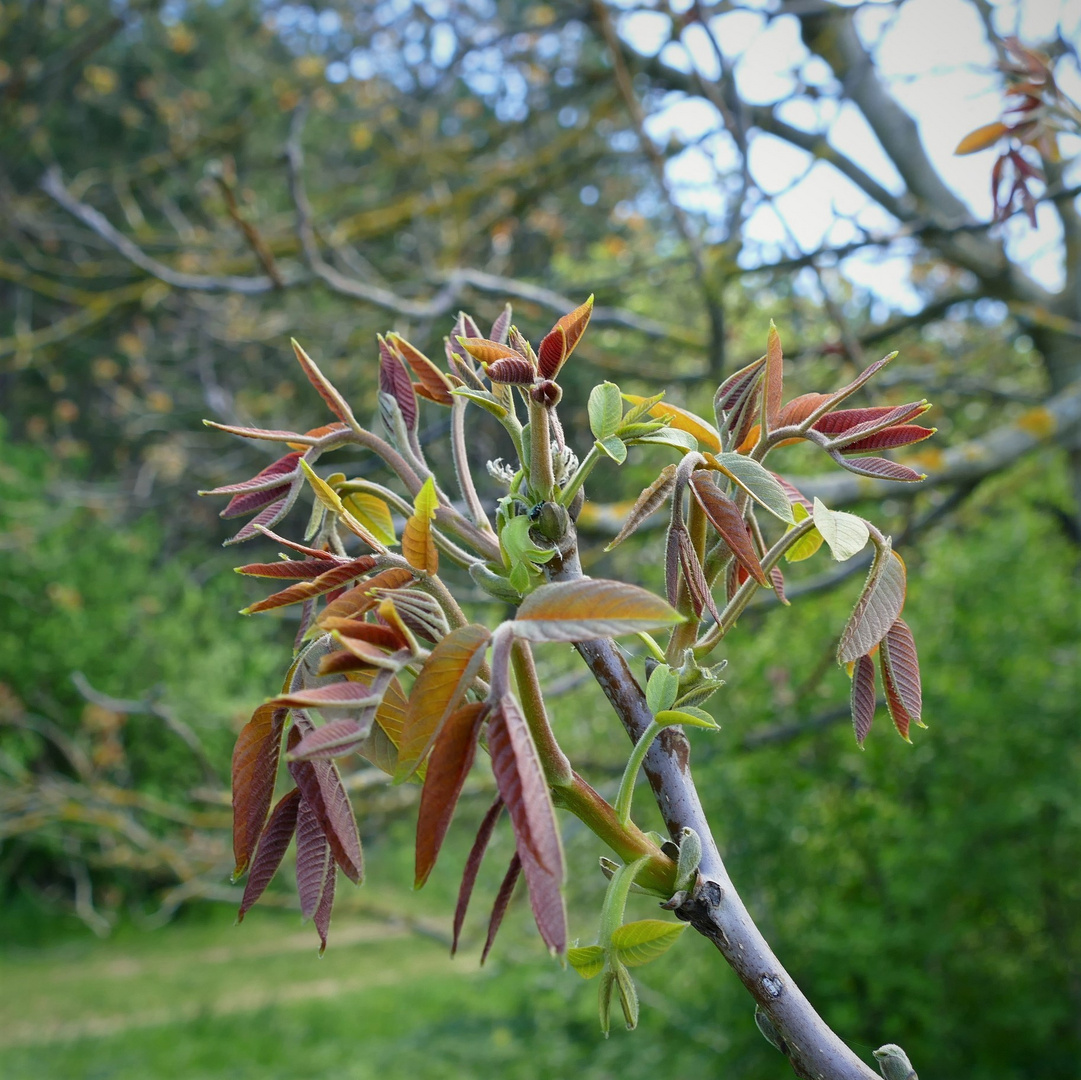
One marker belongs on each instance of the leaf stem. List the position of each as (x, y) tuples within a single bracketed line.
[(580, 474), (557, 767), (461, 466)]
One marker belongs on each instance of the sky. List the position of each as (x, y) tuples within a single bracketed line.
[(934, 57)]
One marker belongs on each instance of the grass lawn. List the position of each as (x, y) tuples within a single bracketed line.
[(204, 1000)]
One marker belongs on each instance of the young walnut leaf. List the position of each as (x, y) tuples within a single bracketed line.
[(418, 545), (512, 370), (273, 842), (774, 380), (289, 569), (725, 517), (502, 900), (682, 420), (439, 688), (551, 353), (321, 918), (265, 434), (587, 960), (649, 502), (879, 468), (394, 381), (472, 867), (321, 786), (522, 785), (451, 759), (863, 697), (374, 514), (434, 385), (806, 545), (590, 608), (250, 502), (331, 579), (488, 352), (266, 518), (901, 676), (755, 480), (273, 476), (846, 534), (878, 607), (335, 402), (313, 860), (334, 739), (358, 600), (605, 410), (343, 695), (637, 943), (890, 438), (255, 767)]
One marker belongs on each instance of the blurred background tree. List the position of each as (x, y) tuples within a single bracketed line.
[(185, 185)]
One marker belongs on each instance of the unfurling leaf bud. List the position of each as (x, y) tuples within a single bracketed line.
[(690, 856), (516, 370), (550, 520), (893, 1063), (769, 1032), (546, 393)]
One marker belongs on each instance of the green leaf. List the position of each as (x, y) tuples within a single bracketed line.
[(485, 400), (639, 406), (614, 447), (605, 410), (690, 716), (662, 689), (587, 960), (374, 514), (756, 480), (807, 544), (638, 943), (846, 534), (669, 436)]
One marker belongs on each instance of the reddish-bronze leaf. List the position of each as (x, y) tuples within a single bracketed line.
[(649, 502), (898, 713), (878, 607), (860, 380), (394, 380), (324, 387), (265, 518), (326, 582), (342, 695), (516, 371), (799, 408), (890, 438), (351, 633), (313, 859), (733, 391), (520, 779), (488, 352), (573, 325), (273, 842), (863, 697), (343, 662), (292, 545), (439, 688), (899, 415), (697, 586), (472, 867), (266, 434), (671, 561), (436, 385), (290, 569), (358, 600), (899, 659), (502, 900), (774, 378), (725, 517), (835, 423), (319, 432), (449, 764), (590, 608), (272, 476), (879, 468), (551, 352), (326, 904), (321, 786), (334, 739), (250, 501), (776, 580), (500, 327), (255, 766)]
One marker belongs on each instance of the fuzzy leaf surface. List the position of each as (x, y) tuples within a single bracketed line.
[(590, 608), (725, 517), (418, 545), (254, 769), (846, 534), (587, 960), (449, 765), (756, 480), (863, 697), (682, 420), (472, 867), (878, 607), (313, 859), (647, 503), (331, 579), (273, 842), (439, 688), (637, 943)]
